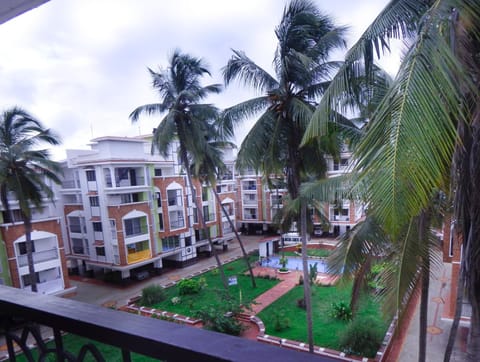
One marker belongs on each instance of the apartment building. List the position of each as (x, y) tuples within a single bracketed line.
[(258, 202), (48, 249), (129, 212)]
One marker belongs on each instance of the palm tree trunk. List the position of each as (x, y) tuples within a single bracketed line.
[(422, 337), (306, 278), (245, 255), (204, 225), (458, 313), (357, 284), (29, 246)]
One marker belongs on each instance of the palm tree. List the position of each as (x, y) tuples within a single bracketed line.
[(302, 68), (185, 120), (431, 112), (207, 167), (25, 170)]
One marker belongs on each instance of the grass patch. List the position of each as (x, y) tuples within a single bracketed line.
[(73, 343), (326, 330), (211, 293), (319, 253)]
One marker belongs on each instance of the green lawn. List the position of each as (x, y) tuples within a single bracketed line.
[(212, 294), (325, 328), (319, 253), (73, 343)]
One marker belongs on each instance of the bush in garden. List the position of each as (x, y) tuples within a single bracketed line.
[(341, 311), (280, 321), (151, 295), (188, 286), (301, 303), (176, 300), (363, 337)]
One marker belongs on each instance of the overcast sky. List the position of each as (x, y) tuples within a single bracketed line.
[(80, 66)]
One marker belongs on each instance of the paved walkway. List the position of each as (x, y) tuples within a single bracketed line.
[(438, 328)]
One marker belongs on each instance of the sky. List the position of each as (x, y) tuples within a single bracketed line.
[(80, 66)]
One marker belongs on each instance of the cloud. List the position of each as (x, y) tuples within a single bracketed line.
[(81, 65)]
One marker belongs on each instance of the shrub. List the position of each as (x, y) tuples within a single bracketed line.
[(300, 280), (188, 286), (176, 300), (341, 311), (218, 320), (301, 303), (151, 295), (280, 321), (363, 337), (312, 273)]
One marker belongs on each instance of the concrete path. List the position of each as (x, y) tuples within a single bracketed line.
[(438, 329)]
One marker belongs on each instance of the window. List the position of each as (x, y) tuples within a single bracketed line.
[(94, 201), (97, 226), (188, 241), (174, 197), (170, 242), (158, 172), (137, 247), (136, 226), (77, 245), (206, 214), (176, 219), (75, 224), (22, 248), (277, 200), (158, 196), (26, 279), (160, 221), (129, 198), (91, 175), (204, 194), (100, 250)]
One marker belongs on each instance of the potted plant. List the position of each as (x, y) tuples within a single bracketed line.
[(283, 262)]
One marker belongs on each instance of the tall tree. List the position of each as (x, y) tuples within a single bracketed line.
[(186, 118), (25, 170), (302, 68), (431, 110), (208, 166)]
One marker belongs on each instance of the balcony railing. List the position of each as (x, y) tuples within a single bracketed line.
[(22, 312), (39, 257)]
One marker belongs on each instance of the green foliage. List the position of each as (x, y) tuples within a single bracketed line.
[(208, 296), (362, 337), (341, 310), (312, 273), (373, 278), (283, 262), (220, 318), (301, 303), (176, 300), (280, 321), (151, 295), (188, 286)]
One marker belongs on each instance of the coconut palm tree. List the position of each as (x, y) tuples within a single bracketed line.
[(207, 167), (185, 120), (431, 113), (25, 170), (302, 68)]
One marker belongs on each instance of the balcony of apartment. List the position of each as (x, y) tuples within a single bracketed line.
[(124, 177), (250, 199), (24, 312), (71, 184), (127, 198), (249, 185), (250, 214), (39, 257), (138, 256)]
